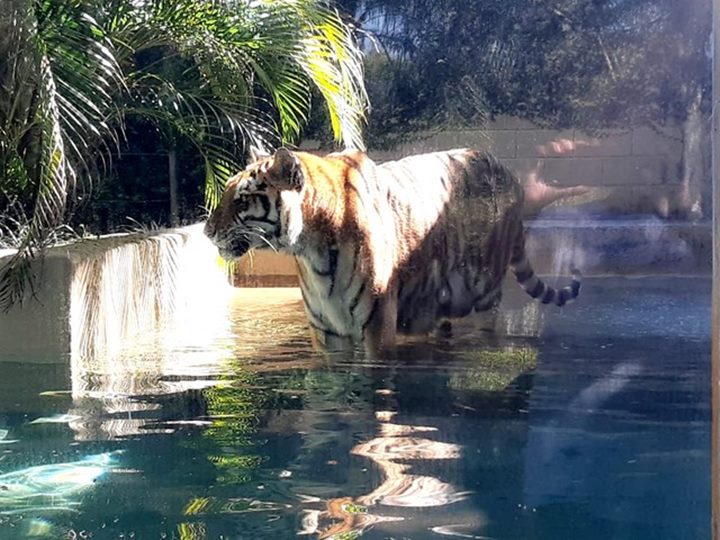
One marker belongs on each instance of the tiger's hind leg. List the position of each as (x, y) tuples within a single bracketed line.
[(380, 331)]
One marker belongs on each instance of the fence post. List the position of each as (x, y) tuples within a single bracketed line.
[(172, 173), (715, 328)]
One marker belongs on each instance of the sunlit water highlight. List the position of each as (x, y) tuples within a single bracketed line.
[(590, 422), (54, 487)]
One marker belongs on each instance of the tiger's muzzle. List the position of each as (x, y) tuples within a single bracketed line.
[(229, 246), (234, 249)]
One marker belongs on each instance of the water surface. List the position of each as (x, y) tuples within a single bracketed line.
[(591, 421)]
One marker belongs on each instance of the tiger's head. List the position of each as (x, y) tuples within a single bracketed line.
[(260, 208)]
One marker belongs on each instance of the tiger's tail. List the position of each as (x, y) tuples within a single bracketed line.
[(536, 288)]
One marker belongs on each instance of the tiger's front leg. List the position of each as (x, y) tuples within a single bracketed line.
[(326, 342)]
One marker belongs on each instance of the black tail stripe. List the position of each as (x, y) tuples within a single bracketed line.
[(575, 287), (537, 290), (549, 295), (563, 297), (524, 274)]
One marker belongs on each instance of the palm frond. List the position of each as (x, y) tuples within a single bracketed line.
[(65, 80), (220, 130), (334, 63), (241, 51), (224, 74)]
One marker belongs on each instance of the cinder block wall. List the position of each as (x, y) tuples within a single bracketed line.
[(636, 157)]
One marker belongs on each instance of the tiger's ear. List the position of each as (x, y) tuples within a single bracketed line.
[(256, 153), (285, 172)]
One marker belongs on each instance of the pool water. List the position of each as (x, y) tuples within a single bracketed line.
[(591, 421)]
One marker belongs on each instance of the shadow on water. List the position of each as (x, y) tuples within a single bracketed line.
[(553, 430)]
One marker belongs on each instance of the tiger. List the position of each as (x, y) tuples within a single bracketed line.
[(382, 249)]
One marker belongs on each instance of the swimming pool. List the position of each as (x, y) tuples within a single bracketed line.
[(591, 421)]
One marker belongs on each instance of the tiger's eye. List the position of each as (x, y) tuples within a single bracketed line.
[(242, 204)]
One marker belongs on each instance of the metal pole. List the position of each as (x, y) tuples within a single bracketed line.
[(172, 173), (715, 446)]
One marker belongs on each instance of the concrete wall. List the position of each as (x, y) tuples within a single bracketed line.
[(93, 296), (40, 328), (265, 269)]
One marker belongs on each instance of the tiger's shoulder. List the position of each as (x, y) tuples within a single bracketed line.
[(335, 171)]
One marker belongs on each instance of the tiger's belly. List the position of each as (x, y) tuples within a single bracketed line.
[(437, 291)]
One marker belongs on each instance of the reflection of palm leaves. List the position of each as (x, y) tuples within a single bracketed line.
[(235, 469), (235, 410)]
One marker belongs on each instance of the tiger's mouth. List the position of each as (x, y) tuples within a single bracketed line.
[(234, 249)]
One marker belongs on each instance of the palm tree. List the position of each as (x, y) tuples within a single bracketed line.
[(225, 74)]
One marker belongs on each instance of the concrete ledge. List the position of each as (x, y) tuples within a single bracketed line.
[(266, 280), (93, 295)]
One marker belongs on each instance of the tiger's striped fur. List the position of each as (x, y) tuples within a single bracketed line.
[(380, 249)]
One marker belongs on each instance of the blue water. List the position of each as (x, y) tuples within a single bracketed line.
[(592, 423)]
